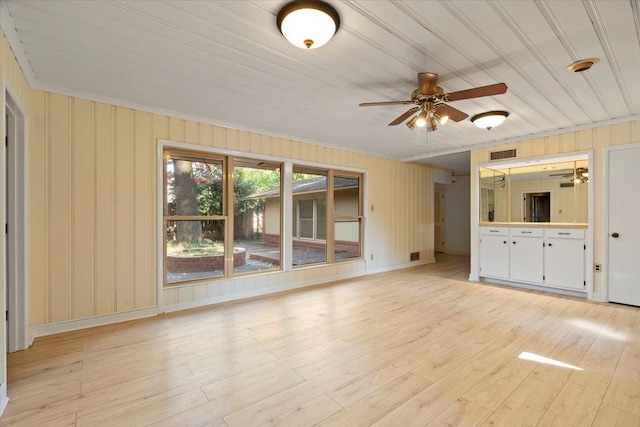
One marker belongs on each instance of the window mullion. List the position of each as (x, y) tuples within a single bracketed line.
[(227, 206), (330, 218)]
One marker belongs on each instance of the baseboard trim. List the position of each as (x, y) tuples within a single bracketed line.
[(400, 266), (535, 288), (90, 322), (457, 253)]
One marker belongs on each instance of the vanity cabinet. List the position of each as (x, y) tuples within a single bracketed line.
[(526, 255), (494, 252), (551, 257), (564, 258)]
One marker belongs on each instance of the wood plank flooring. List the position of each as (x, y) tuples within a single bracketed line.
[(416, 347)]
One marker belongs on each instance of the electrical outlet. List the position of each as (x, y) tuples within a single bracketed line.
[(597, 267), (371, 257)]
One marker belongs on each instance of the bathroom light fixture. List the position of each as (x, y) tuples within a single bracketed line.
[(490, 119), (308, 24)]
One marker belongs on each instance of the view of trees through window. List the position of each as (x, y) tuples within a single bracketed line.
[(223, 216)]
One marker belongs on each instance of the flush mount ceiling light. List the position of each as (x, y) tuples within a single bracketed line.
[(582, 65), (308, 24), (490, 119)]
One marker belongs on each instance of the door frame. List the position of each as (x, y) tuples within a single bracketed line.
[(16, 244), (606, 155), (443, 211)]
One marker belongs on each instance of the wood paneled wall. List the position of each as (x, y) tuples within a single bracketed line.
[(590, 139), (92, 204)]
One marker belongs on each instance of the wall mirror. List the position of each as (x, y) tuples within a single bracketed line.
[(541, 192)]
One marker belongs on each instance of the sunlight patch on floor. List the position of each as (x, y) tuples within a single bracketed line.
[(597, 328), (541, 359)]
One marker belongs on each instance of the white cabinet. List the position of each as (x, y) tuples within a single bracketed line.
[(525, 256), (494, 252), (564, 259), (551, 257)]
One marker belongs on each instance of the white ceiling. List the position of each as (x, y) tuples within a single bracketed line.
[(225, 62)]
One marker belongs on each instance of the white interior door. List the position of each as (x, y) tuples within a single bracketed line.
[(624, 227)]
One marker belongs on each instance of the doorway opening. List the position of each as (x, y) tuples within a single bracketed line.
[(15, 278), (537, 206)]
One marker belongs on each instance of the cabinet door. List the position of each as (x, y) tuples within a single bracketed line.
[(564, 263), (525, 259), (494, 256)]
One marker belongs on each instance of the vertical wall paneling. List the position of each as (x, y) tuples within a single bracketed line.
[(83, 209), (256, 145), (204, 134), (105, 210), (191, 132), (59, 207), (144, 226), (225, 138), (37, 200), (276, 147), (244, 143), (125, 264)]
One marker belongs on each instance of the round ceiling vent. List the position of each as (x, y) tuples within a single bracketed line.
[(582, 65)]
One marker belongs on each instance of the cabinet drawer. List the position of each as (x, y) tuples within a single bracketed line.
[(495, 231), (527, 232), (564, 233)]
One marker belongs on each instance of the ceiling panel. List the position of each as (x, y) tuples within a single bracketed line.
[(225, 62)]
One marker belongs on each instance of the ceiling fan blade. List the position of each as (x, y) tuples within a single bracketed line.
[(404, 116), (375, 104), (453, 113), (565, 175), (477, 92), (427, 83)]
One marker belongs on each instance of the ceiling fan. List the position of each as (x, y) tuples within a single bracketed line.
[(431, 102), (577, 175)]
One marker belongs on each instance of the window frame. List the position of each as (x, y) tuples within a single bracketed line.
[(188, 155), (286, 201), (333, 218)]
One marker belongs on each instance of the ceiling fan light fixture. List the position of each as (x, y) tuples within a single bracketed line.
[(442, 118), (421, 120), (431, 124), (490, 119), (308, 24), (411, 124)]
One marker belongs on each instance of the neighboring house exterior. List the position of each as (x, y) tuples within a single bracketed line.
[(310, 214)]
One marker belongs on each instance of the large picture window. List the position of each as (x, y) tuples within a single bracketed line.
[(222, 216), (215, 226)]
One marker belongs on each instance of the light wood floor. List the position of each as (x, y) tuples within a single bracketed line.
[(414, 347)]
